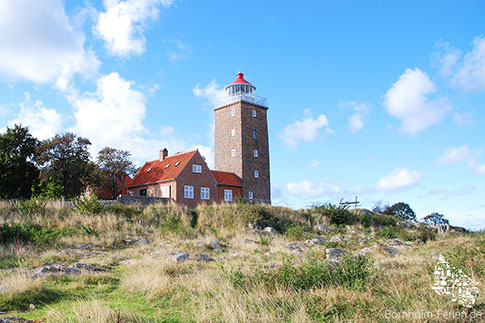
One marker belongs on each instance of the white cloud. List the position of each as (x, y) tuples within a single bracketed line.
[(181, 50), (461, 154), (308, 189), (480, 170), (407, 100), (305, 130), (212, 92), (470, 73), (463, 119), (123, 24), (357, 120), (38, 43), (400, 178), (43, 122), (113, 116), (315, 163), (446, 58)]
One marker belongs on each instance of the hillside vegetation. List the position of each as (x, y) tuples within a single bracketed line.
[(225, 263)]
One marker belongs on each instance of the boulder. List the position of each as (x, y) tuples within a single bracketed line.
[(215, 244), (365, 251), (50, 269), (315, 241), (12, 319), (204, 257), (339, 239), (323, 228), (335, 253), (271, 230), (179, 256), (391, 251), (364, 240), (394, 242), (89, 267)]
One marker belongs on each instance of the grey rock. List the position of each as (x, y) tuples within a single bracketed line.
[(179, 256), (137, 240), (254, 226), (54, 269), (315, 241), (215, 244), (90, 267), (12, 319), (296, 251), (364, 240), (394, 242), (295, 245), (248, 241), (88, 246), (204, 257), (340, 239), (335, 253), (323, 228), (391, 251), (271, 230), (218, 250), (365, 251)]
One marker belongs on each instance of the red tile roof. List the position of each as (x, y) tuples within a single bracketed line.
[(226, 178), (157, 171)]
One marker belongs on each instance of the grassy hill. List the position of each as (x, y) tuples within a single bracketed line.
[(221, 263)]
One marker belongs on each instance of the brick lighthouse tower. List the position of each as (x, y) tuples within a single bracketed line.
[(241, 139)]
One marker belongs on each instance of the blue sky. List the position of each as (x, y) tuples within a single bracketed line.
[(384, 100)]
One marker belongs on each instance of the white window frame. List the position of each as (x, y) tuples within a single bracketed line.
[(197, 169), (233, 112), (254, 113), (255, 153), (233, 132), (228, 195), (250, 195), (188, 192), (205, 193), (256, 174), (233, 152)]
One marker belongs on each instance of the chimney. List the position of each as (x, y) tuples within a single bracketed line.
[(163, 154)]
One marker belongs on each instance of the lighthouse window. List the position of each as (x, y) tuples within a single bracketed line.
[(256, 174), (233, 152), (254, 113), (233, 132), (254, 134), (250, 195), (255, 153), (233, 112)]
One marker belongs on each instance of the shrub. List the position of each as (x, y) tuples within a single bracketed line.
[(34, 206), (30, 233), (377, 219), (426, 233), (351, 273), (128, 211), (88, 205), (295, 232), (337, 214)]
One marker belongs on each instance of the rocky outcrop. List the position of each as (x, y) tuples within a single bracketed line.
[(335, 253)]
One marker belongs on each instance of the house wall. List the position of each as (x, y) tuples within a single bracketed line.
[(204, 179), (155, 190), (236, 192)]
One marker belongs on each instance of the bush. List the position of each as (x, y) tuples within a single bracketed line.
[(30, 233), (338, 215), (88, 205), (128, 211), (426, 233), (295, 232), (377, 219), (352, 273), (34, 206)]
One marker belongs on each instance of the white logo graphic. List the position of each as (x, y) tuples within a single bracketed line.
[(453, 282)]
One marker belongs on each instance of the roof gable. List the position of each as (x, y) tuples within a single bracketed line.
[(226, 178), (158, 171)]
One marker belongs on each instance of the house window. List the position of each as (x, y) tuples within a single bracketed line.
[(196, 168), (254, 113), (205, 193), (250, 195), (177, 163), (149, 169), (228, 195), (233, 152), (254, 134), (143, 192), (233, 132), (233, 112), (256, 174), (188, 192), (168, 165), (132, 193), (255, 153)]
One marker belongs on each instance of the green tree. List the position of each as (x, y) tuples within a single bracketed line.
[(18, 173), (435, 219), (116, 166), (401, 210), (64, 163)]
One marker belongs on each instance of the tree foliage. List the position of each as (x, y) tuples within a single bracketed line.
[(401, 210), (435, 219), (64, 163), (18, 173), (116, 167)]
